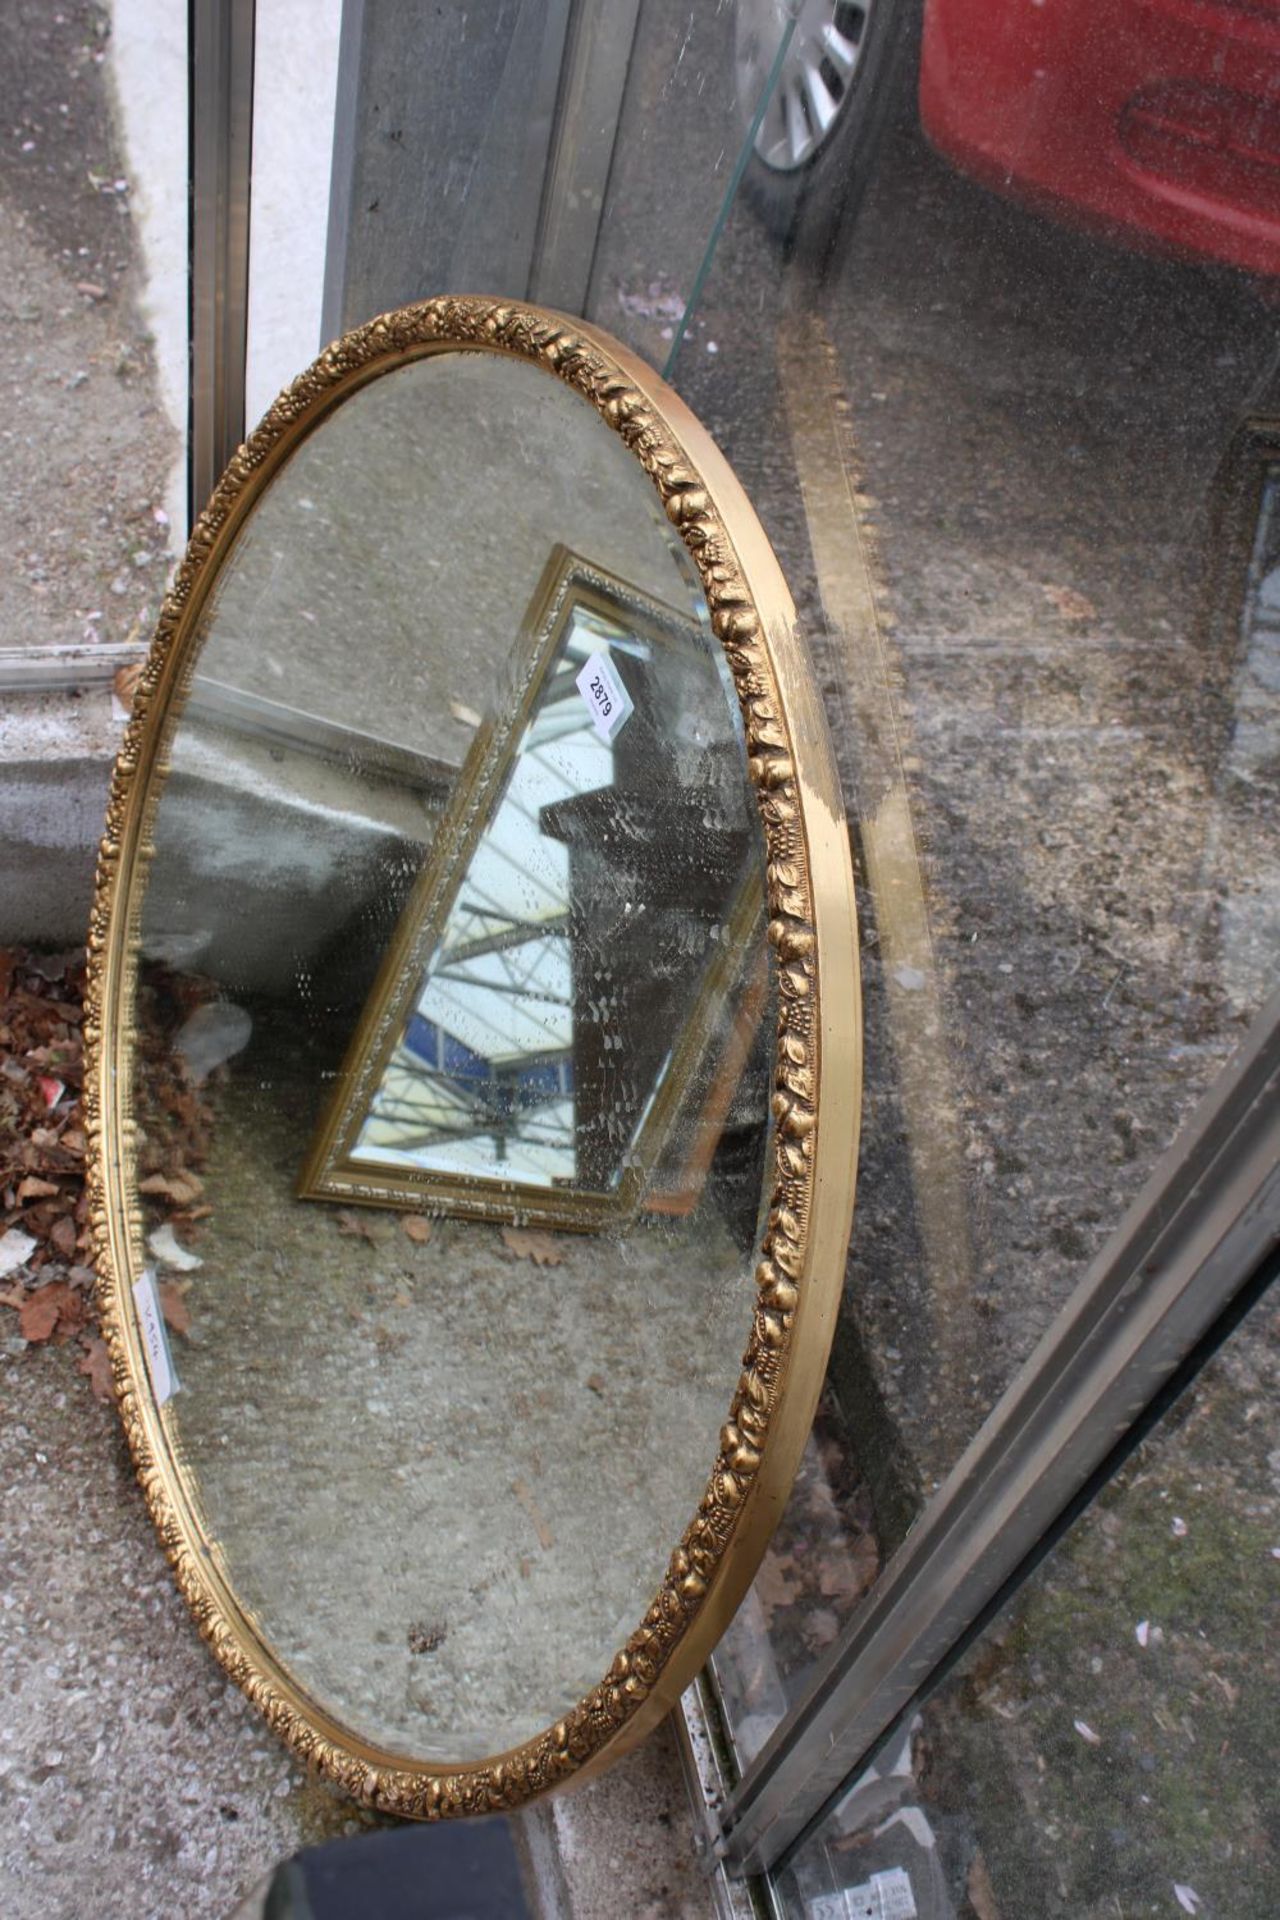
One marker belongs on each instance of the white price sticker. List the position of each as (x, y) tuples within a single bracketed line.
[(155, 1340), (608, 702), (886, 1896)]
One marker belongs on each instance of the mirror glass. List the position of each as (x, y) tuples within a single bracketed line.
[(453, 1033), (569, 949)]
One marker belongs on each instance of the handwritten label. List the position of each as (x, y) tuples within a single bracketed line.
[(886, 1896), (155, 1340), (608, 702)]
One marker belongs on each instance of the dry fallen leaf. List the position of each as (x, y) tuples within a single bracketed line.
[(1070, 604), (95, 1361), (982, 1897), (55, 1310), (125, 683), (62, 1234), (775, 1585), (182, 1187), (417, 1228), (1230, 1693), (845, 1580), (820, 1627), (426, 1636), (33, 1188), (524, 1494), (532, 1244), (355, 1224), (174, 1307), (38, 1315)]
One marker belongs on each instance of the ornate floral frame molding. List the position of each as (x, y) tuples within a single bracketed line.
[(816, 1072)]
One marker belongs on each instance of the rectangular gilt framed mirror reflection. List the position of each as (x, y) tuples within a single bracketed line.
[(564, 1011)]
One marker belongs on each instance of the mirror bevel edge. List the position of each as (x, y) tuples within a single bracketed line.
[(818, 1047)]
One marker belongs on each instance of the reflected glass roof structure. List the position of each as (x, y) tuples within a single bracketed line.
[(482, 1078)]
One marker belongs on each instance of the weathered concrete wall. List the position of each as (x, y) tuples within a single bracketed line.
[(56, 751)]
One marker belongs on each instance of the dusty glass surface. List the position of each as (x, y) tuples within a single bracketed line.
[(444, 1461), (1106, 1750), (988, 331)]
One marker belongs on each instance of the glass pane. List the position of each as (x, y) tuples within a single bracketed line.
[(822, 1560), (1009, 468), (295, 77), (980, 302), (1106, 1750)]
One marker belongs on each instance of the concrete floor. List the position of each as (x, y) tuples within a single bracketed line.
[(136, 1781), (445, 1480), (133, 1774)]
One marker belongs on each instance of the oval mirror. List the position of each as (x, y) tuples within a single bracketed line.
[(475, 1057)]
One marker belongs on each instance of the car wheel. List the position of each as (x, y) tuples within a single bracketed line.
[(849, 70)]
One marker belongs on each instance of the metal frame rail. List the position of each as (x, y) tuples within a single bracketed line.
[(221, 39), (1205, 1223)]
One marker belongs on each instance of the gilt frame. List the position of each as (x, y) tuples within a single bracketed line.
[(330, 1170), (816, 1072)]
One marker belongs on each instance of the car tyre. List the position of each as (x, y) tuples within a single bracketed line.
[(805, 180)]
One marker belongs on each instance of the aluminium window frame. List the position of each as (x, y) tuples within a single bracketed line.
[(1201, 1231), (220, 50)]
